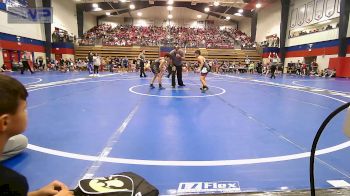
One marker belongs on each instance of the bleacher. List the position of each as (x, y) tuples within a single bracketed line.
[(153, 53), (224, 55), (81, 52)]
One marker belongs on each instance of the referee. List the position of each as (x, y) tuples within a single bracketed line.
[(177, 56)]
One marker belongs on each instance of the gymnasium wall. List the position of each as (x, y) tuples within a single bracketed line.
[(348, 35), (64, 16), (324, 44), (114, 21), (269, 19), (314, 37), (293, 24), (63, 48), (1, 59), (31, 37), (323, 60), (161, 22), (68, 56), (34, 31), (89, 21), (322, 50), (245, 25)]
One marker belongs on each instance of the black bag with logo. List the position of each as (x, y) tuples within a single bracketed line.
[(123, 184)]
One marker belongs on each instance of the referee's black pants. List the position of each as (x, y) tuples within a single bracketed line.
[(142, 69), (178, 73)]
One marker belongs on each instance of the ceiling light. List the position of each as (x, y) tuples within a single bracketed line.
[(132, 6), (170, 8), (108, 13), (170, 2), (228, 18), (258, 5), (206, 9), (170, 16), (95, 5), (139, 13), (123, 1), (238, 14), (97, 9), (240, 10), (216, 3), (199, 16)]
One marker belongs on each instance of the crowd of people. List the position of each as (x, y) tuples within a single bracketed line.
[(271, 41), (94, 64), (310, 69), (62, 36), (127, 35)]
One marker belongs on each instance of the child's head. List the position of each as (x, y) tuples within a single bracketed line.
[(197, 53), (13, 114)]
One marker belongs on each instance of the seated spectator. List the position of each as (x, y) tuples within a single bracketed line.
[(127, 35), (14, 146), (13, 121), (3, 68)]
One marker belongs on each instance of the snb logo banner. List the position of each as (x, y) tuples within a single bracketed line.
[(29, 15), (209, 187)]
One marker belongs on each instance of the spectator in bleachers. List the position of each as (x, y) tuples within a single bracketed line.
[(3, 68), (97, 64), (127, 35)]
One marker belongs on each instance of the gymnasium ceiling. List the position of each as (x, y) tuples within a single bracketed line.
[(182, 9)]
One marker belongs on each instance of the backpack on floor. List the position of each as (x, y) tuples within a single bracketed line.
[(123, 184)]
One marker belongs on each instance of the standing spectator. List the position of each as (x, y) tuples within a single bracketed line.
[(251, 68), (41, 63), (247, 61), (90, 62), (303, 68), (142, 60), (25, 63), (273, 60), (97, 64), (298, 68), (259, 67)]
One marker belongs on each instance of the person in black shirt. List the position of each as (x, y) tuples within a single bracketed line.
[(90, 62), (142, 59), (13, 121), (177, 56), (25, 63), (259, 68)]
